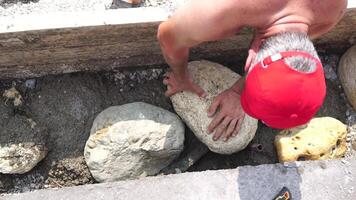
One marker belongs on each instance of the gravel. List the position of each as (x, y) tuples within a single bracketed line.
[(330, 64), (26, 183), (16, 7), (129, 79), (23, 7)]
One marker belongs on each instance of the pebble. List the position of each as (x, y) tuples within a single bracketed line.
[(30, 84)]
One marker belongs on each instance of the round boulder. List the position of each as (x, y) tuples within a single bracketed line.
[(347, 74), (133, 140), (214, 79)]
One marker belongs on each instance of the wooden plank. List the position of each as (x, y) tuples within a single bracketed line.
[(104, 40)]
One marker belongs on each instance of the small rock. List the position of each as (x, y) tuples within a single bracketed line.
[(322, 138), (347, 74), (124, 3), (22, 145), (131, 141), (214, 79), (13, 94), (30, 84), (354, 144)]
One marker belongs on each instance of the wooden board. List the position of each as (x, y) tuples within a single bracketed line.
[(103, 40)]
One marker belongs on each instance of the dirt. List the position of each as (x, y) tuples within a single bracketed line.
[(66, 105)]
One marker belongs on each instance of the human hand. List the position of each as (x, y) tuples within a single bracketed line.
[(228, 120), (252, 52), (181, 83), (250, 58)]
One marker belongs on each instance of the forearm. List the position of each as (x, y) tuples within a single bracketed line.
[(175, 54), (177, 61), (238, 85)]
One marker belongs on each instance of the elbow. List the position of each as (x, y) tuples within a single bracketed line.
[(162, 33), (171, 49)]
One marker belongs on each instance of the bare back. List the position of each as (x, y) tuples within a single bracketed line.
[(320, 16), (206, 20)]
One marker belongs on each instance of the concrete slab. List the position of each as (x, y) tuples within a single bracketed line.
[(316, 180)]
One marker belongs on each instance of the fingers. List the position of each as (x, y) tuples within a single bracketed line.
[(230, 129), (213, 107), (165, 81), (166, 78), (167, 74), (238, 126), (170, 91), (217, 119), (248, 63), (198, 90), (250, 58), (221, 128)]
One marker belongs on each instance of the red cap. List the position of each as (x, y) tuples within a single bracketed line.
[(281, 96)]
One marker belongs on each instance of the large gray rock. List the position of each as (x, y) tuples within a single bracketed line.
[(133, 140), (347, 74), (214, 79)]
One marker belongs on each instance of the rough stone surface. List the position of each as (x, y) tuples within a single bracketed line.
[(326, 180), (22, 142), (347, 74), (214, 79), (131, 141), (322, 138)]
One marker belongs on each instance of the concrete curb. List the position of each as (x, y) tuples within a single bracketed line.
[(333, 179)]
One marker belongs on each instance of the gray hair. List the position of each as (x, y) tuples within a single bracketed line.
[(289, 41)]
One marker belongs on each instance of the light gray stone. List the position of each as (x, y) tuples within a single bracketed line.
[(22, 144), (347, 74), (214, 79), (131, 141), (20, 158)]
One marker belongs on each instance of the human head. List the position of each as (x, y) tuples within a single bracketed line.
[(288, 91)]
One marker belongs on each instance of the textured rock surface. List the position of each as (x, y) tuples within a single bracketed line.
[(322, 138), (213, 78), (347, 74), (131, 141), (22, 143)]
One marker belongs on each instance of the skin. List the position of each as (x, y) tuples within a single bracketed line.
[(209, 20)]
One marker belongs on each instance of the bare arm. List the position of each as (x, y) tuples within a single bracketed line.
[(198, 22)]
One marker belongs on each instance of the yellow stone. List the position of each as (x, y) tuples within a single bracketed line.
[(322, 138)]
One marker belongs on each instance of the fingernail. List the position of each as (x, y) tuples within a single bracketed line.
[(225, 139)]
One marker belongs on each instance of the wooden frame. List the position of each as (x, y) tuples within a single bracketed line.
[(104, 40)]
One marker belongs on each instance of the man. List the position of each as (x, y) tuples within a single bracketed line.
[(285, 84)]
